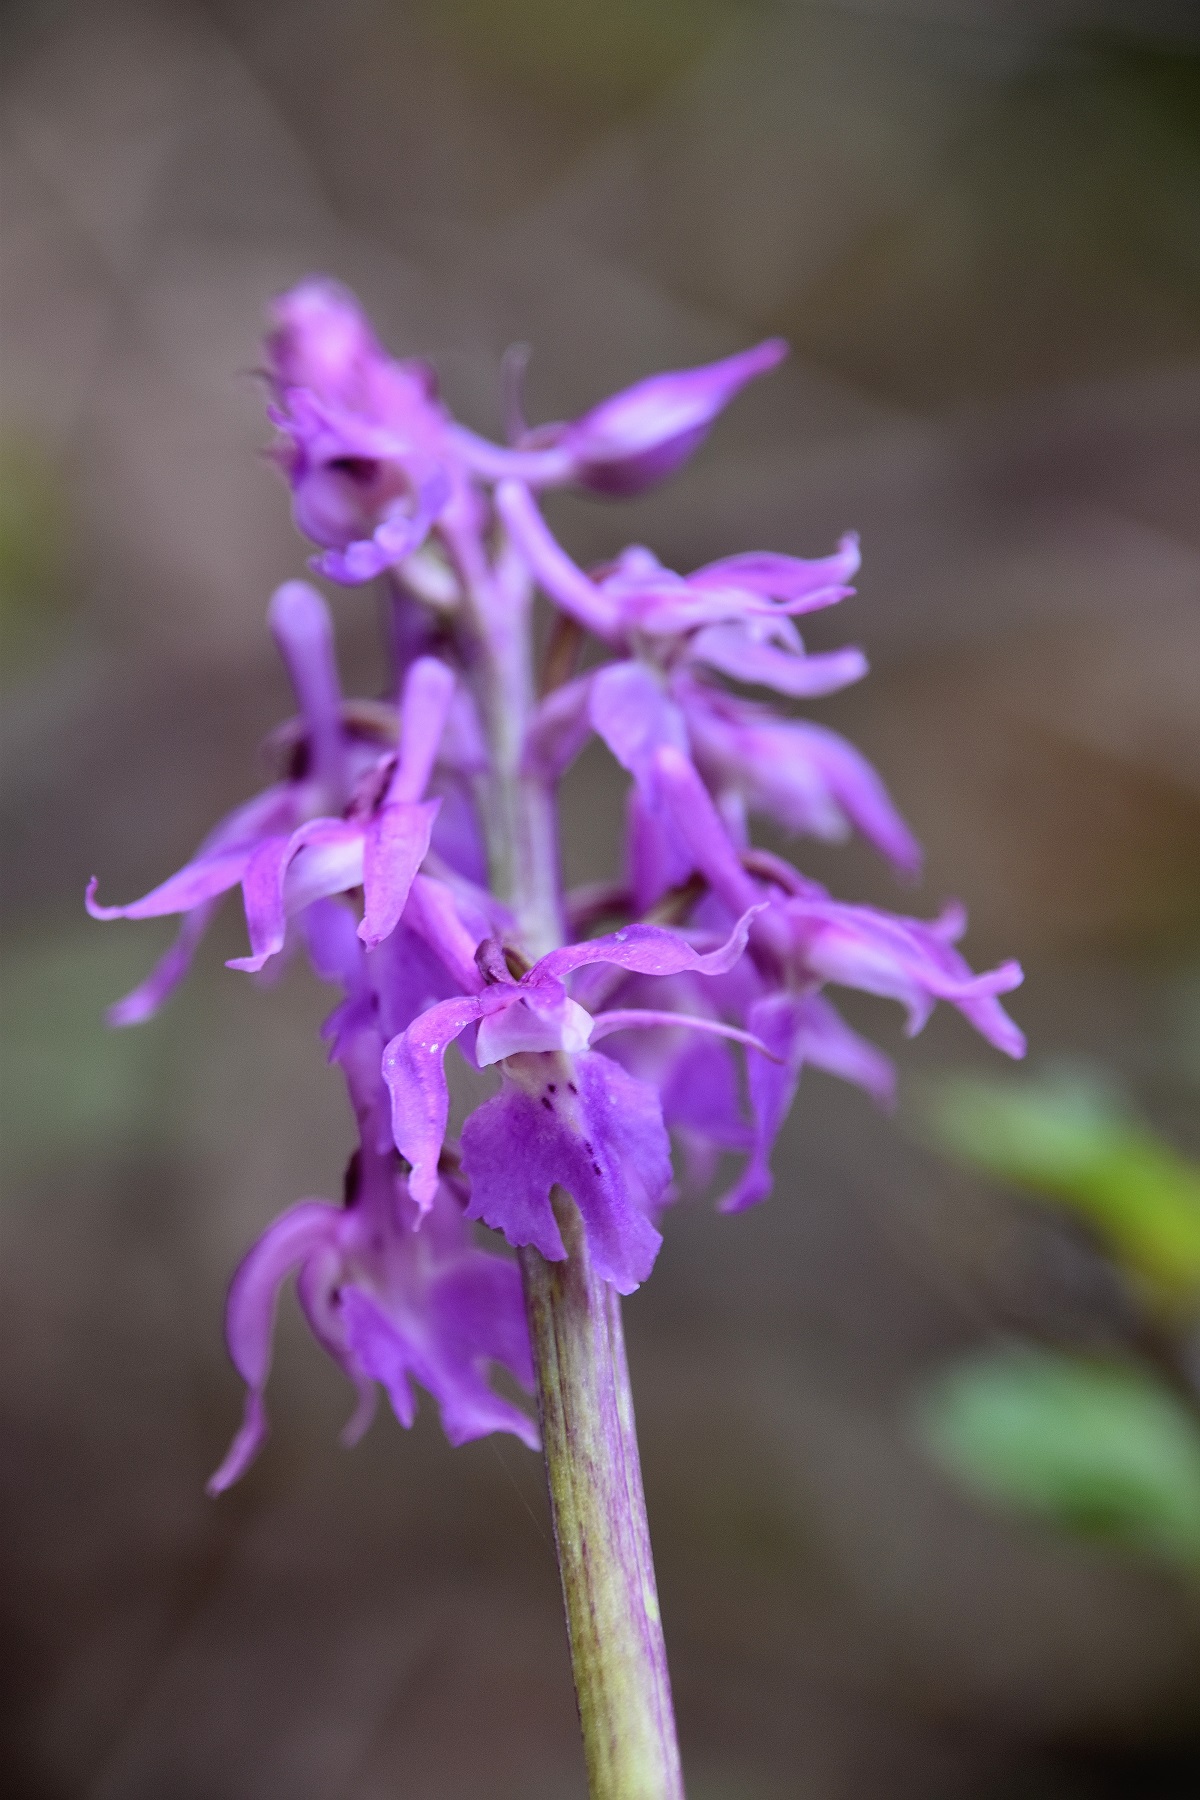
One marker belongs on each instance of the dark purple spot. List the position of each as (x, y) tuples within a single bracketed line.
[(361, 469), (551, 1087), (352, 1180), (571, 1088), (300, 761), (548, 1104), (595, 1168)]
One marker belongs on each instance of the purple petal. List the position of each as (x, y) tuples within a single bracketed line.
[(413, 1068), (823, 1038), (604, 1142), (566, 584), (424, 708), (699, 1094), (195, 883), (902, 959), (395, 846), (392, 1354), (433, 914), (164, 978), (397, 536), (643, 434), (647, 950), (862, 796), (334, 948), (319, 1289), (380, 1351), (321, 857), (479, 1304), (807, 777), (407, 978), (633, 713), (250, 1317), (640, 1018), (319, 337), (303, 631), (821, 581), (734, 652), (699, 824), (558, 729), (798, 1029), (655, 854)]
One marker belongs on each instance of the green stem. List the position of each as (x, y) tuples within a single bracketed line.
[(599, 1511)]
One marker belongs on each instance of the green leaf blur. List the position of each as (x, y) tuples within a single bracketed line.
[(1068, 1139), (1098, 1448)]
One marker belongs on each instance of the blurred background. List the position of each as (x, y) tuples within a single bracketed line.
[(978, 222)]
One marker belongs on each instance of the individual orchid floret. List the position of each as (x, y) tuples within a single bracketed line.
[(909, 960), (392, 1305), (697, 1080), (366, 445), (565, 1115), (732, 618), (636, 598), (804, 938), (394, 1293), (289, 846)]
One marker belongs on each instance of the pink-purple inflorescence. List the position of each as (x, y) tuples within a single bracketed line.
[(684, 998)]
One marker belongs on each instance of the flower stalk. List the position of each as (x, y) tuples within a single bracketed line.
[(589, 1439)]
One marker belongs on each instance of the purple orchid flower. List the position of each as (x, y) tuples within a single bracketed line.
[(289, 846), (391, 1303), (692, 1015), (564, 1115), (720, 945)]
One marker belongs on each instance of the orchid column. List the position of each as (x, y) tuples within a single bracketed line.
[(409, 850)]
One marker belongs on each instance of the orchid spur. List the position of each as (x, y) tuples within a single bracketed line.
[(409, 849)]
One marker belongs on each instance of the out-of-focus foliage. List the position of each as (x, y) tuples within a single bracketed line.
[(599, 56), (1099, 1448), (1068, 1138), (71, 1087)]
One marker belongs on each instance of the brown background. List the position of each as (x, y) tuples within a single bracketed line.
[(979, 223)]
